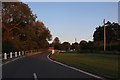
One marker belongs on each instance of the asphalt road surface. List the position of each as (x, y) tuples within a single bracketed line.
[(39, 66)]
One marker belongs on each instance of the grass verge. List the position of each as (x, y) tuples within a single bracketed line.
[(101, 64)]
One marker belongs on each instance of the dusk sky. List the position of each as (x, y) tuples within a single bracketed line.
[(70, 20)]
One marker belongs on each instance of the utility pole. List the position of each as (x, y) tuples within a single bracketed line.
[(104, 36)]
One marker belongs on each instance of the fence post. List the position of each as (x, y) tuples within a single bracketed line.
[(5, 56), (53, 51), (15, 54), (19, 53), (22, 52), (10, 54)]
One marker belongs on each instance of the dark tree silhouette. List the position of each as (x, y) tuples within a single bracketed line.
[(112, 32), (56, 43), (83, 45), (66, 46), (75, 46), (112, 36)]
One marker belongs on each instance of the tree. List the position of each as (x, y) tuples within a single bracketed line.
[(56, 43), (43, 34), (12, 20), (83, 45), (112, 36), (66, 46), (112, 32), (75, 46), (8, 46), (19, 26), (13, 24), (90, 46)]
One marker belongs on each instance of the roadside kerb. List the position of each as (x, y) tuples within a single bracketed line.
[(90, 74)]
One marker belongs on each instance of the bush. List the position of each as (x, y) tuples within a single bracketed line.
[(8, 46)]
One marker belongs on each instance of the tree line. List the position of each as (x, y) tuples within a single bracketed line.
[(112, 40), (21, 30)]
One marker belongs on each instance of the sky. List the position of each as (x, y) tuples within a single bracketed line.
[(70, 20), (65, 0)]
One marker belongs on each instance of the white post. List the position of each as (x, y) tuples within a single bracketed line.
[(5, 56), (15, 54), (10, 54), (22, 52), (19, 53), (53, 51)]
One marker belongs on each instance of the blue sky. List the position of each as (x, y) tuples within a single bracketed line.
[(70, 20), (68, 0)]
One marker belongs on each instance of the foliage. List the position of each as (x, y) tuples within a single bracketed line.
[(83, 45), (8, 46), (112, 36), (19, 26), (75, 46), (112, 32), (65, 46), (15, 15), (56, 43)]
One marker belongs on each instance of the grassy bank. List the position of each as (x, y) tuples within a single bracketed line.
[(102, 64)]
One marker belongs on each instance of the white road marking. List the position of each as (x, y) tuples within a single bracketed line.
[(12, 60), (35, 76), (90, 74), (15, 59)]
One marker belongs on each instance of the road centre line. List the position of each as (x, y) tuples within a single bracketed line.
[(35, 76)]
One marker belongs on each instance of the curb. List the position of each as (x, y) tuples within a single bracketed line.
[(90, 74)]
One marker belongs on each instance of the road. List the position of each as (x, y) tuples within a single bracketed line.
[(39, 66)]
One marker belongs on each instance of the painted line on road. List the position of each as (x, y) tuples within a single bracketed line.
[(35, 76), (12, 60), (90, 74)]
